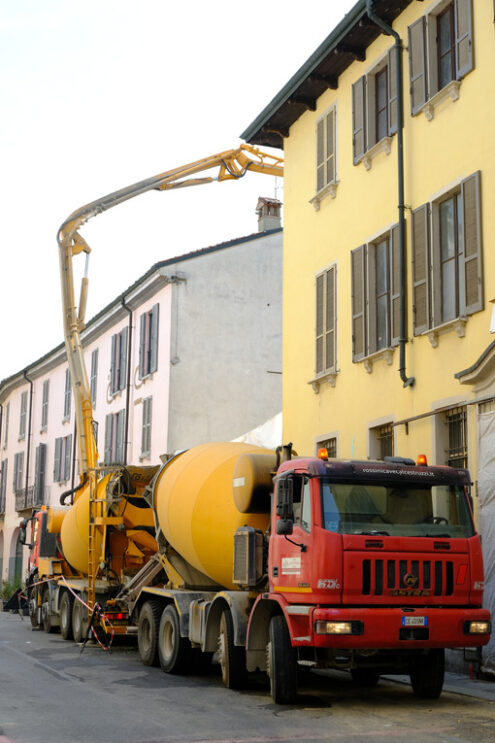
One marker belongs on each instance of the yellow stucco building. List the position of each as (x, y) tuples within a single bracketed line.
[(389, 228)]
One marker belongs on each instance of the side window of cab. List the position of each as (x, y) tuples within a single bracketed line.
[(302, 503)]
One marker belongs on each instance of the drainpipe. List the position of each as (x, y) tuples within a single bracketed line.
[(407, 381), (28, 436), (128, 381)]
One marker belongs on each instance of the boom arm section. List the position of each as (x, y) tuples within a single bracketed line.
[(231, 164)]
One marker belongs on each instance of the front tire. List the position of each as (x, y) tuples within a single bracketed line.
[(281, 663), (173, 650), (66, 607), (148, 626), (428, 673), (232, 658)]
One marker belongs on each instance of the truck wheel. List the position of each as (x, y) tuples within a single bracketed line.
[(365, 676), (232, 658), (148, 626), (427, 674), (34, 613), (281, 663), (46, 615), (79, 621), (66, 606), (173, 650)]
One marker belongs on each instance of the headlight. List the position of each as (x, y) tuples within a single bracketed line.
[(477, 628)]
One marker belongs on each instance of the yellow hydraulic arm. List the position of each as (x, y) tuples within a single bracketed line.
[(232, 164)]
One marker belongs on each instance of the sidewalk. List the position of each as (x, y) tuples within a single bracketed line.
[(458, 683)]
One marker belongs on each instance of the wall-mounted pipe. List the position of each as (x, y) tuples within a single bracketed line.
[(29, 435), (128, 380), (407, 381)]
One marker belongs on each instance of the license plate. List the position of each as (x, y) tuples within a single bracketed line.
[(414, 621)]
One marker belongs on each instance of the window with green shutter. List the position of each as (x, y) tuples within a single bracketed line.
[(326, 141), (326, 321), (148, 342), (146, 428), (118, 362), (44, 405)]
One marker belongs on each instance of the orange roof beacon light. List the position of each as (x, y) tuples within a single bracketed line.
[(323, 453), (422, 460)]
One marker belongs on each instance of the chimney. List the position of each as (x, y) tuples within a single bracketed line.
[(268, 211)]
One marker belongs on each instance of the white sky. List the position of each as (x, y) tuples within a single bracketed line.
[(98, 94)]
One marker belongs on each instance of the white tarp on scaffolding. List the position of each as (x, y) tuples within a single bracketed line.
[(486, 497), (268, 434)]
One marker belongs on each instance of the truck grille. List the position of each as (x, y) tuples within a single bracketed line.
[(434, 576)]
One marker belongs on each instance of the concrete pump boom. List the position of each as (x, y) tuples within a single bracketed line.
[(231, 164)]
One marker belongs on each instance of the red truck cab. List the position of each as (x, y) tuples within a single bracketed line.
[(373, 566)]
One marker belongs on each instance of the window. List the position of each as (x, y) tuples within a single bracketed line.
[(94, 376), (440, 50), (382, 441), (114, 437), (44, 405), (118, 368), (6, 429), (23, 415), (457, 442), (18, 482), (302, 503), (3, 485), (146, 428), (374, 107), (148, 342), (326, 151), (62, 460), (447, 266), (67, 396), (375, 295), (326, 347), (40, 474)]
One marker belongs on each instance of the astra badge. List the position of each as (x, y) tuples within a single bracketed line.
[(410, 580)]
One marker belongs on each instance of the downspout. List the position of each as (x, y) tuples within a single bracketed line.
[(128, 380), (407, 381), (29, 435)]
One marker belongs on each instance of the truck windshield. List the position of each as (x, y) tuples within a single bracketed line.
[(432, 511)]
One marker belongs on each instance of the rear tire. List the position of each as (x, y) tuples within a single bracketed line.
[(173, 650), (46, 615), (428, 673), (79, 621), (232, 658), (66, 607), (148, 626), (281, 663)]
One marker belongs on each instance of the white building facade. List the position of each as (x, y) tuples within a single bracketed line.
[(190, 353)]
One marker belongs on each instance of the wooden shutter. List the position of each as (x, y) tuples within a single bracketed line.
[(330, 320), (123, 358), (22, 419), (370, 345), (39, 473), (3, 485), (463, 38), (395, 285), (320, 154), (142, 345), (67, 457), (108, 438), (359, 118), (94, 376), (56, 461), (473, 278), (420, 269), (358, 274), (154, 338), (113, 366), (119, 445), (417, 64), (44, 404), (392, 91), (320, 299)]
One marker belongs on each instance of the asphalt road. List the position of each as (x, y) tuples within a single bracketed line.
[(51, 693)]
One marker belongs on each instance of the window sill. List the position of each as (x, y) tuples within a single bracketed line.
[(384, 145), (386, 354), (449, 91), (459, 325), (329, 190), (145, 456), (329, 376)]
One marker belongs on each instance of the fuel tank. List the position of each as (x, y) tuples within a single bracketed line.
[(203, 495)]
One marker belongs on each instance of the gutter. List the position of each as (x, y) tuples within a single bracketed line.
[(407, 381), (128, 380), (29, 436)]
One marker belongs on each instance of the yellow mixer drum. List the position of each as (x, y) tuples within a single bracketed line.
[(194, 503)]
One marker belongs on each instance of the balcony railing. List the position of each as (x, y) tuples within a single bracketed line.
[(31, 498)]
